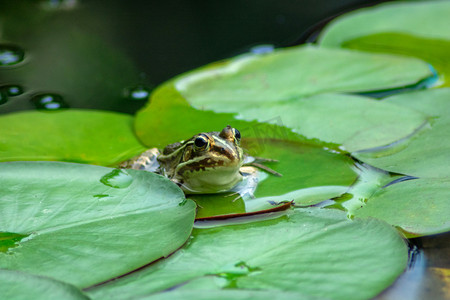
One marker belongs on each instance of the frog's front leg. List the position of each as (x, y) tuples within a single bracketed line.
[(146, 161), (246, 188)]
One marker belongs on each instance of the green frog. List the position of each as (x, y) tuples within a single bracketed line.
[(209, 162)]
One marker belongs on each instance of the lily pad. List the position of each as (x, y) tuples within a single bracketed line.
[(419, 207), (354, 122), (325, 119), (85, 136), (432, 51), (311, 174), (315, 252), (292, 73), (87, 224), (23, 286), (425, 19), (425, 153), (168, 118)]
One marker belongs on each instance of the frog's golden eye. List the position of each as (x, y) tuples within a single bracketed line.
[(237, 134), (201, 141)]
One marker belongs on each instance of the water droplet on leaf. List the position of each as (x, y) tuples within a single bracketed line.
[(117, 178)]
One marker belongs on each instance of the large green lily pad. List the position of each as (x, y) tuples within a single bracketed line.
[(312, 251), (296, 95), (86, 224), (425, 19), (419, 207), (416, 29), (290, 73), (23, 286), (288, 88), (354, 122), (425, 153), (85, 136)]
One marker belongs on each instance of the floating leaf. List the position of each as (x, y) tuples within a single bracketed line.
[(313, 252), (419, 207), (292, 73), (355, 122), (85, 136), (231, 93), (426, 19), (82, 231), (432, 51), (425, 153), (23, 286)]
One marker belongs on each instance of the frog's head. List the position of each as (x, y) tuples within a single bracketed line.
[(209, 162)]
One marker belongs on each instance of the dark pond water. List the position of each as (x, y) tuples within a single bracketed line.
[(109, 55)]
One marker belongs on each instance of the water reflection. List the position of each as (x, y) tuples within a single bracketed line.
[(10, 55), (262, 49), (139, 93), (7, 91), (12, 90), (49, 102), (59, 4)]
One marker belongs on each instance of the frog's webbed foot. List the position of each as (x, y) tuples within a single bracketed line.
[(246, 188), (237, 194)]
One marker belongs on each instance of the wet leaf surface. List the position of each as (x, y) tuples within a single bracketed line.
[(74, 222)]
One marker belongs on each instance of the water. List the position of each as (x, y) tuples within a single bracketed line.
[(117, 178), (49, 102), (9, 240), (139, 93), (10, 55)]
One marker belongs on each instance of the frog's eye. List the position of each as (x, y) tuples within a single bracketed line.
[(237, 134), (201, 141)]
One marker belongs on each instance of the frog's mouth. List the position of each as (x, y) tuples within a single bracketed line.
[(211, 179)]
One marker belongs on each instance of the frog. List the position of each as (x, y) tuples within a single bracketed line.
[(207, 163)]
